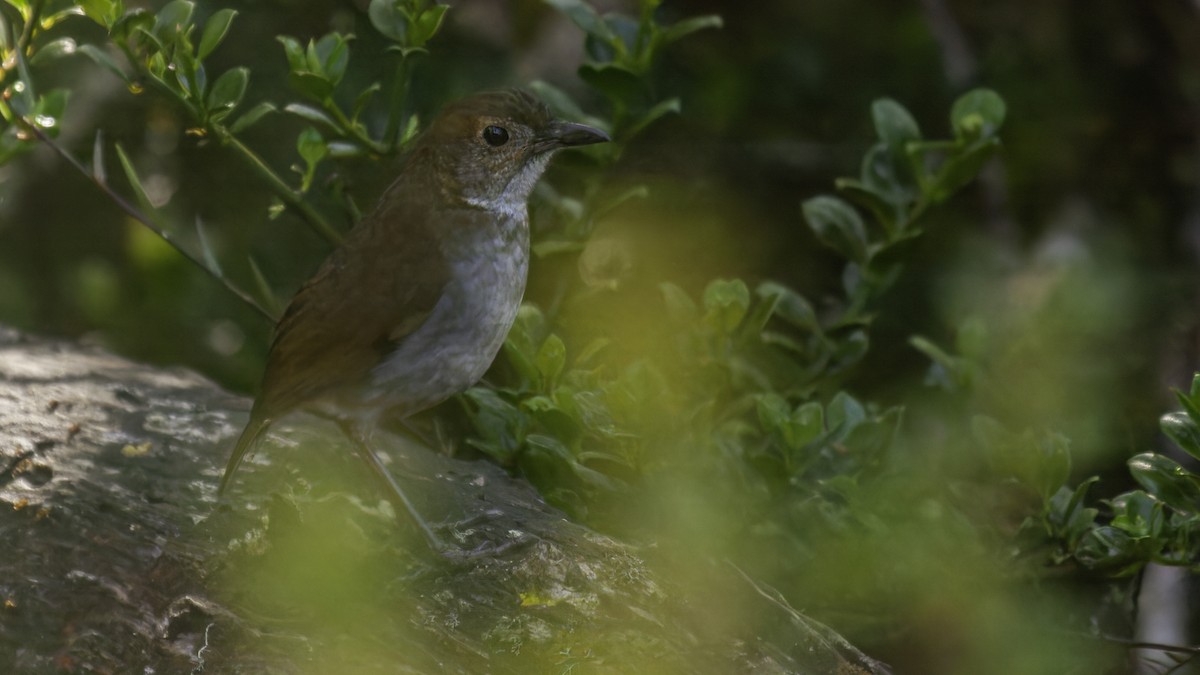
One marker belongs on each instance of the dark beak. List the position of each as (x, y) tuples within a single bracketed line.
[(570, 134)]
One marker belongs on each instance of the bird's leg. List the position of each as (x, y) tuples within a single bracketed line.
[(361, 436)]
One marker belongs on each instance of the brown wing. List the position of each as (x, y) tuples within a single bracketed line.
[(378, 287)]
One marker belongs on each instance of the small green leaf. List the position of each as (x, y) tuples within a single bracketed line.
[(838, 226), (311, 146), (586, 18), (134, 182), (265, 293), (387, 18), (977, 114), (682, 29), (55, 49), (427, 24), (844, 412), (210, 258), (887, 173), (960, 169), (297, 62), (878, 202), (894, 125), (311, 114), (228, 90), (559, 101), (550, 360), (103, 12), (343, 149), (1164, 478), (790, 306), (174, 18), (251, 116), (329, 56), (670, 106), (1183, 430), (312, 85), (214, 32), (680, 307), (726, 302), (616, 82), (363, 98), (99, 172)]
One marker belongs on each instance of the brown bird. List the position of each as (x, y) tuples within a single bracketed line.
[(414, 305)]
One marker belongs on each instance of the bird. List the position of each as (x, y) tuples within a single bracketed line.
[(415, 303)]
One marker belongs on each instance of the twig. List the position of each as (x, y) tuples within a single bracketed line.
[(133, 212)]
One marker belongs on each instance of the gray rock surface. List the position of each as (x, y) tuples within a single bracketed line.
[(116, 557)]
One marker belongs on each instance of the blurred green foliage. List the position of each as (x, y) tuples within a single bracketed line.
[(927, 417)]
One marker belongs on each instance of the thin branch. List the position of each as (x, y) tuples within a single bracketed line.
[(133, 212)]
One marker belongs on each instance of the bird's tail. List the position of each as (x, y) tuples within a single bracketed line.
[(246, 442)]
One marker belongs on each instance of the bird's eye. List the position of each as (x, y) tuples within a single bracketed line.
[(495, 136)]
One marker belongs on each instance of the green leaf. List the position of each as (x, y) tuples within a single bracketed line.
[(682, 29), (362, 99), (99, 172), (312, 85), (1183, 430), (343, 149), (844, 412), (500, 424), (103, 12), (265, 293), (311, 114), (726, 302), (174, 18), (550, 360), (805, 425), (680, 306), (790, 306), (893, 123), (101, 57), (960, 169), (214, 32), (586, 18), (228, 90), (387, 18), (251, 116), (1164, 478), (559, 101), (670, 106), (885, 172), (329, 57), (134, 182), (879, 203), (55, 49), (210, 258), (616, 82), (297, 62), (311, 146), (427, 25), (132, 23), (838, 226), (977, 114)]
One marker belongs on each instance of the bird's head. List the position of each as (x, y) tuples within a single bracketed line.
[(491, 148)]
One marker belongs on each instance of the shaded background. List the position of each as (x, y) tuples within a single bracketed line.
[(1078, 249)]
